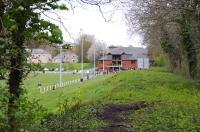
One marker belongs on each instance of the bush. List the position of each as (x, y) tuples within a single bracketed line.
[(28, 116), (159, 61), (168, 116), (71, 118)]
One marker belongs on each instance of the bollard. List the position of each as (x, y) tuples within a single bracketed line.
[(40, 90)]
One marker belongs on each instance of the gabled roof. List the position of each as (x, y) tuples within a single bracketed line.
[(127, 50), (39, 51), (106, 57), (127, 53), (128, 57)]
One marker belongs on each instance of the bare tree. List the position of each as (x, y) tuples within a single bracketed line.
[(169, 25), (99, 46), (87, 41)]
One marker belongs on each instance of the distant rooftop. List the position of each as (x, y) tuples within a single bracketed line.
[(39, 51), (128, 53)]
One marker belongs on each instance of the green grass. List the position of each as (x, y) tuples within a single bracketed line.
[(31, 86), (177, 105), (75, 66), (133, 86)]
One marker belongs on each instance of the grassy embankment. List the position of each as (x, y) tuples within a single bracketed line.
[(174, 102)]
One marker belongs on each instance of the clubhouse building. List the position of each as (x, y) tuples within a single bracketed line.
[(124, 58)]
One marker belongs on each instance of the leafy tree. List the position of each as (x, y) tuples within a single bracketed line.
[(20, 21), (172, 26)]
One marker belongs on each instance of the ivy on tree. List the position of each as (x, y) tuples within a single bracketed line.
[(20, 22)]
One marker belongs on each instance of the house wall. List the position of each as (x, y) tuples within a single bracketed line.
[(106, 64), (129, 64), (67, 58), (143, 63), (40, 58)]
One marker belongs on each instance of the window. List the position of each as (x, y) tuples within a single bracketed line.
[(132, 62)]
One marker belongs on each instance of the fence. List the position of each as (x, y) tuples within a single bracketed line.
[(64, 84)]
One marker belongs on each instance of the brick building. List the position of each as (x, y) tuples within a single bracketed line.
[(124, 58)]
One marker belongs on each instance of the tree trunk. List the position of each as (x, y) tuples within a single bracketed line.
[(188, 44), (2, 9), (191, 54), (16, 76)]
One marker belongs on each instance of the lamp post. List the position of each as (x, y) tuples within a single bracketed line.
[(103, 62), (60, 64), (81, 33), (61, 60), (94, 60)]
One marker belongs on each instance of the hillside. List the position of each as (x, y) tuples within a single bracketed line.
[(129, 101)]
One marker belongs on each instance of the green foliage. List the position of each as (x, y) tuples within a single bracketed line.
[(159, 61), (3, 73), (164, 42), (21, 20), (28, 115), (3, 107), (72, 118), (168, 116)]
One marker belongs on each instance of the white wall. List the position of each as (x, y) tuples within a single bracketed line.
[(143, 63), (40, 58)]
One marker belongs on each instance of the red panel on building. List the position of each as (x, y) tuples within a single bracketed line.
[(129, 64)]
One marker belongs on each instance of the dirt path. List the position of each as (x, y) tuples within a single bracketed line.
[(116, 123)]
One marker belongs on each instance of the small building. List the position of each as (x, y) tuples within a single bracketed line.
[(67, 57), (124, 58), (39, 56)]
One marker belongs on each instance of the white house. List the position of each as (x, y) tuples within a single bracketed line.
[(39, 56), (67, 57)]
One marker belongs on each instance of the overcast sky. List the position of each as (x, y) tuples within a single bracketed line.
[(90, 20)]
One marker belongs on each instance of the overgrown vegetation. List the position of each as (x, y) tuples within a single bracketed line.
[(170, 28), (20, 21), (173, 102)]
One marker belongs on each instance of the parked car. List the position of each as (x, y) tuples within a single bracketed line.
[(46, 69)]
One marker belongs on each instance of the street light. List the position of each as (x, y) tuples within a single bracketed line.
[(81, 33), (103, 62), (61, 58), (94, 60), (60, 64)]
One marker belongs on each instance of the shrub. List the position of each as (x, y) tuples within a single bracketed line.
[(72, 118), (159, 61)]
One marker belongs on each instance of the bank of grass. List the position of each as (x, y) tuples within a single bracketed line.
[(75, 66), (47, 79), (176, 100)]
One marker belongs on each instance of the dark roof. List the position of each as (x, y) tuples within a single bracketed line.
[(106, 57), (127, 50), (39, 51), (128, 57), (128, 53)]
